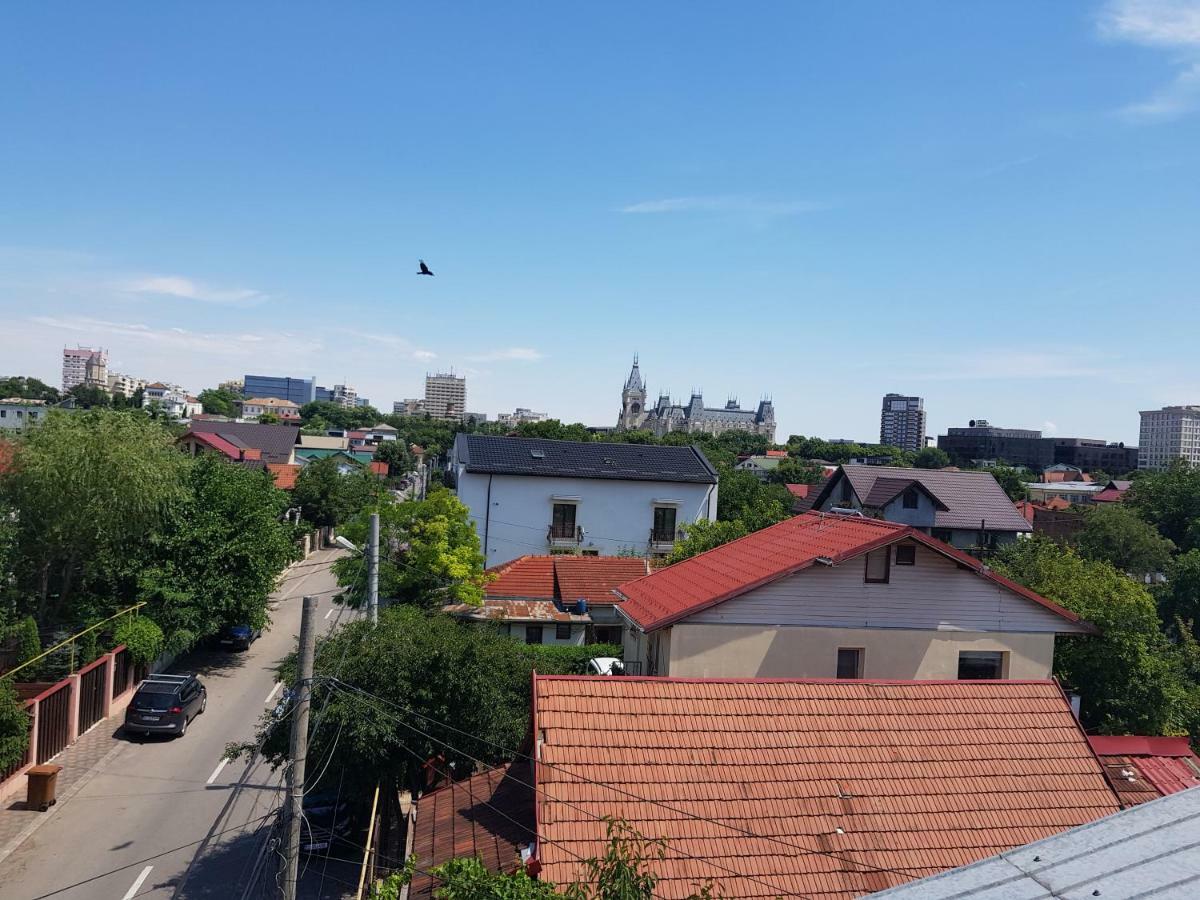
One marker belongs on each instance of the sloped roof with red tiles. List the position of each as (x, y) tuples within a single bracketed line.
[(566, 578), (820, 789), (284, 475), (1146, 768), (795, 544), (782, 454), (799, 491), (216, 442), (488, 816)]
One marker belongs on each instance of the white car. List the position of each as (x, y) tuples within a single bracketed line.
[(605, 665)]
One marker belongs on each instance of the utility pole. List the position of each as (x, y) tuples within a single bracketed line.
[(373, 568), (308, 640)]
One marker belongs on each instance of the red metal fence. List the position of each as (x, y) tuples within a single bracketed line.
[(54, 722), (123, 674), (93, 682)]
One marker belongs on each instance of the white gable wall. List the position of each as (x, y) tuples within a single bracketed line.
[(935, 594)]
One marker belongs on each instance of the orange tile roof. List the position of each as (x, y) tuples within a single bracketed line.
[(817, 789), (795, 544), (799, 490), (565, 578), (514, 611), (781, 454), (474, 818), (284, 475)]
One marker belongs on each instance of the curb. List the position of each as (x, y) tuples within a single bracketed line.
[(23, 835)]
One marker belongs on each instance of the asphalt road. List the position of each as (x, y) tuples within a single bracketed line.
[(166, 818)]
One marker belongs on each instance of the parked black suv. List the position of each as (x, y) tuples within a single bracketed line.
[(164, 704)]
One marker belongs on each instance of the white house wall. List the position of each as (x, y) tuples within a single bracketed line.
[(933, 594), (616, 515)]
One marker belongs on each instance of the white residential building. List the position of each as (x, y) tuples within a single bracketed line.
[(344, 395), (17, 414), (171, 399), (520, 416), (83, 365), (445, 396), (125, 385), (1168, 434), (256, 406), (529, 495)]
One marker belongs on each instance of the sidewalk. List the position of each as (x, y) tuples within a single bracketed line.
[(80, 762)]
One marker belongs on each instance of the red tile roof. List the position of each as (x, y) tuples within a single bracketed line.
[(817, 789), (1025, 508), (799, 490), (284, 475), (379, 467), (795, 544), (782, 454), (474, 818), (566, 578), (1109, 495), (215, 442), (1146, 768)]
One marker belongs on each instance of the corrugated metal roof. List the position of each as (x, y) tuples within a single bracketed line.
[(1143, 768), (579, 459), (820, 789), (677, 591), (1148, 850), (969, 497)]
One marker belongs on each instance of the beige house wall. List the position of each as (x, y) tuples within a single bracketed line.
[(756, 651)]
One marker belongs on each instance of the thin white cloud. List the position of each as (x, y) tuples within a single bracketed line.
[(399, 344), (731, 203), (1172, 25), (188, 289), (508, 354), (173, 339), (1049, 427)]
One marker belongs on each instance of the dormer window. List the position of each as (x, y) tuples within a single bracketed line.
[(911, 500)]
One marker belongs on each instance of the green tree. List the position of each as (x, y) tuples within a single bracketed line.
[(1170, 501), (219, 402), (704, 535), (89, 489), (315, 425), (28, 389), (396, 455), (23, 637), (1126, 675), (1115, 533), (553, 429), (429, 553), (743, 497), (217, 557), (795, 471), (1012, 481), (931, 458), (470, 677), (268, 418), (142, 637), (14, 726), (328, 498), (1179, 596), (89, 396)]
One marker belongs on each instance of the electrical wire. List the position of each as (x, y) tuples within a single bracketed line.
[(516, 753), (707, 862)]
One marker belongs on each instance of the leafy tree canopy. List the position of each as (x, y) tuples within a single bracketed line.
[(14, 726), (219, 402), (429, 552), (1127, 675), (1170, 501), (396, 455), (795, 471), (89, 396), (931, 458), (28, 389), (328, 498), (704, 535), (1115, 533)]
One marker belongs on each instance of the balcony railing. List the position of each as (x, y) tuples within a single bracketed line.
[(564, 534)]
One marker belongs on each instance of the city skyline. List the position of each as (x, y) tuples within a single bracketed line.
[(996, 218)]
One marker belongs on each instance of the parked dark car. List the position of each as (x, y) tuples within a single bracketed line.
[(238, 637), (327, 819), (165, 704)]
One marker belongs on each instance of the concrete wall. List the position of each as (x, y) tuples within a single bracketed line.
[(757, 651), (616, 515), (578, 636)]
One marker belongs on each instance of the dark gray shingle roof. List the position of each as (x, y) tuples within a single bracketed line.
[(571, 459), (275, 441)]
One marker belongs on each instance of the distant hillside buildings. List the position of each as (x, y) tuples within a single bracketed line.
[(694, 417), (902, 422)]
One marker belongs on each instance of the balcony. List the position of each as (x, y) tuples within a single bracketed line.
[(661, 541), (564, 535)]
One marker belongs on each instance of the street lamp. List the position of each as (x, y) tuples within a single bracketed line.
[(346, 544)]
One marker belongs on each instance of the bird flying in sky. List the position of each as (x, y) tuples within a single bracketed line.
[(424, 268)]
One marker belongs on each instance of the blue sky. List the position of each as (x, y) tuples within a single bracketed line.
[(992, 205)]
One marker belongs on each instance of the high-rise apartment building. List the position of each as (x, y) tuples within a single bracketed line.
[(344, 395), (83, 365), (298, 390), (902, 422), (1168, 434), (445, 396)]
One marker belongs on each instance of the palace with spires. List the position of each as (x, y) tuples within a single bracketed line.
[(666, 416)]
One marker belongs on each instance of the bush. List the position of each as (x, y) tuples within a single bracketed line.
[(565, 659), (14, 726), (142, 637)]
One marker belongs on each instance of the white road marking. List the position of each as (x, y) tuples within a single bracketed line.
[(136, 886), (217, 771), (274, 691), (330, 613)]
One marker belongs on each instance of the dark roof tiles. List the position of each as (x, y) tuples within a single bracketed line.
[(576, 459), (276, 442)]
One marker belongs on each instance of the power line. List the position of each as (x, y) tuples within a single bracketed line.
[(536, 790), (629, 794)]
